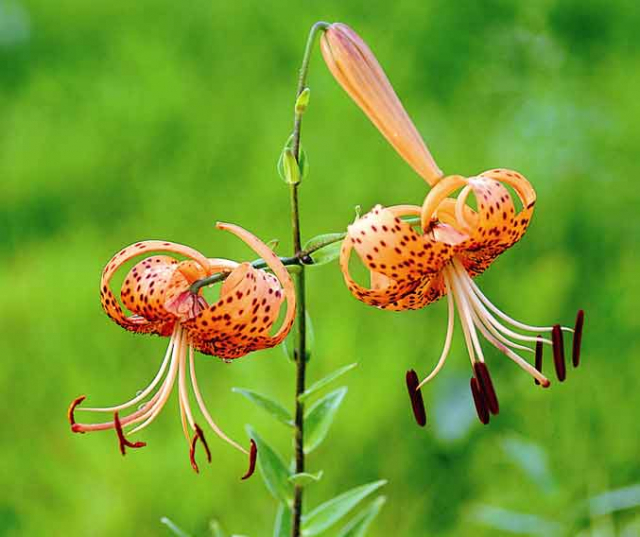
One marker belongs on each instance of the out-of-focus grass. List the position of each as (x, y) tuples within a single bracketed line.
[(124, 121)]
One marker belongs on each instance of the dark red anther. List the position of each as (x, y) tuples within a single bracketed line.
[(486, 386), (124, 443), (538, 357), (478, 400), (577, 338), (253, 456), (558, 353), (70, 414), (198, 435), (417, 403)]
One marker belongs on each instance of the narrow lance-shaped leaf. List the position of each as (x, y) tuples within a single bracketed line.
[(288, 345), (304, 478), (320, 416), (175, 530), (273, 470), (358, 525), (317, 386), (216, 529), (327, 514), (326, 254), (282, 524), (272, 407)]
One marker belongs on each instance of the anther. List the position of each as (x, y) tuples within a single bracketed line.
[(417, 403), (538, 357), (486, 387), (70, 414), (124, 443), (577, 338), (253, 456), (558, 353), (198, 435), (479, 402)]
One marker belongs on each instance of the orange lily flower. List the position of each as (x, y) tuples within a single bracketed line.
[(157, 293), (410, 269)]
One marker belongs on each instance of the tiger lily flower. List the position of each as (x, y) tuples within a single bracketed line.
[(157, 293), (410, 269)]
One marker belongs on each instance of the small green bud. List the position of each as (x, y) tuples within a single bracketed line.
[(302, 102), (290, 167)]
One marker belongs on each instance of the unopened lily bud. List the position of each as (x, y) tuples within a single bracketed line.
[(290, 167), (302, 102), (356, 69)]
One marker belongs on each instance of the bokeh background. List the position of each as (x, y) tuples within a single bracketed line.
[(122, 121)]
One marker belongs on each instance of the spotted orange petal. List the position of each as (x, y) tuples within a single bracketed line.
[(250, 300), (431, 289), (136, 322), (497, 227)]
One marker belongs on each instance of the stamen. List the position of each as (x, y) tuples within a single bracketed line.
[(505, 317), (417, 403), (577, 338), (70, 413), (448, 338), (198, 435), (142, 395), (558, 353), (253, 456), (486, 385), (539, 348), (203, 408), (124, 443), (479, 402)]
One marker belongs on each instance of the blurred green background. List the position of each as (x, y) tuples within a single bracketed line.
[(124, 121)]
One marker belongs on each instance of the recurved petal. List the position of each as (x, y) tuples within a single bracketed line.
[(110, 304), (428, 291), (391, 247), (383, 290), (241, 318), (497, 227)]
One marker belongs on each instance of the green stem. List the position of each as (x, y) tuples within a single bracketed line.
[(300, 328)]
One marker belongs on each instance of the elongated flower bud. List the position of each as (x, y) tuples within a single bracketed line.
[(356, 69)]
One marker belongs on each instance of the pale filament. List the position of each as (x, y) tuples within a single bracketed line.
[(142, 395), (484, 313), (481, 318), (465, 327), (505, 317), (167, 386), (448, 338), (203, 408), (464, 310), (183, 396)]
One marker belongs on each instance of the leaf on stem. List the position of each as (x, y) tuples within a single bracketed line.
[(358, 525), (288, 345), (302, 479), (282, 524), (175, 530), (272, 407), (216, 529), (326, 254), (330, 512), (316, 386), (319, 418), (273, 470)]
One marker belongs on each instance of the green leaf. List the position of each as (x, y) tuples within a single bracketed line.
[(302, 102), (288, 345), (319, 418), (358, 525), (323, 240), (326, 255), (272, 407), (305, 478), (273, 470), (330, 512), (282, 525), (216, 529), (174, 529), (310, 341), (316, 386)]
